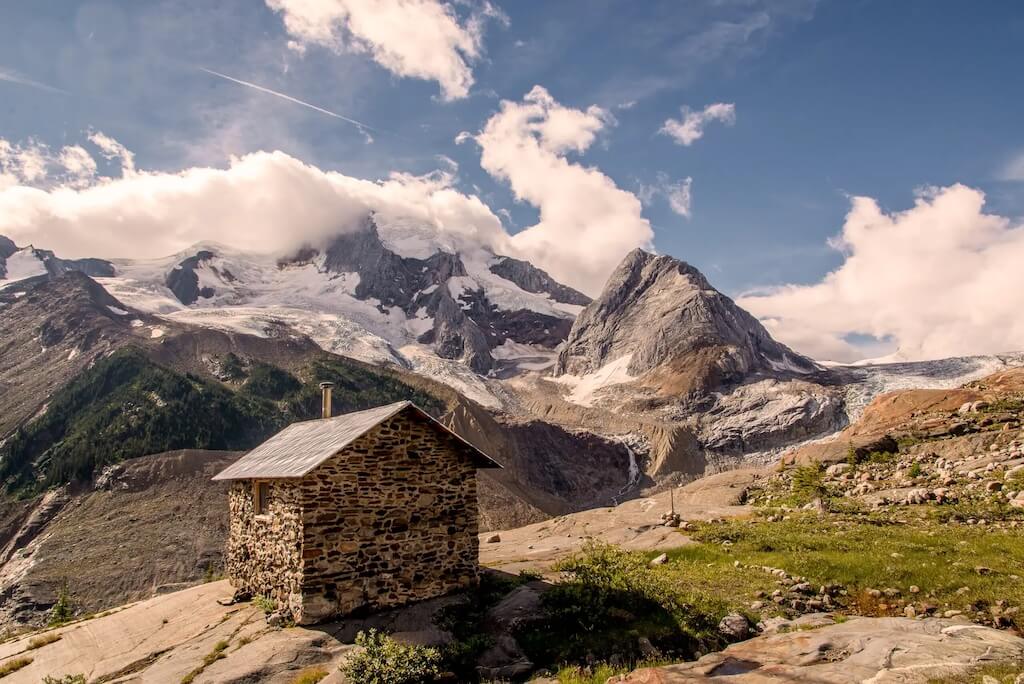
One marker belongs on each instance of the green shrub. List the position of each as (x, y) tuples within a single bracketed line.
[(266, 604), (63, 610), (66, 679), (808, 483), (915, 470), (386, 661)]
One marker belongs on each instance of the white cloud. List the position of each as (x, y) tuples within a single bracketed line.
[(1014, 169), (422, 39), (587, 224), (690, 128), (266, 202), (111, 149), (79, 164), (678, 194), (34, 163), (940, 279), (273, 203), (679, 197)]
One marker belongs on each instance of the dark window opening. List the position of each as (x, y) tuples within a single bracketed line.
[(260, 496)]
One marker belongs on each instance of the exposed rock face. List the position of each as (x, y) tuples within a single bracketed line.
[(183, 280), (662, 312), (532, 279), (161, 509), (7, 248), (50, 331), (358, 531)]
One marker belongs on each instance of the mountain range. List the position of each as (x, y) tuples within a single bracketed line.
[(163, 366)]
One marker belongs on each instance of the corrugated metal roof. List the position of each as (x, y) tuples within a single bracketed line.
[(301, 447)]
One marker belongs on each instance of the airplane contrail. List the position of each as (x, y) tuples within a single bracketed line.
[(11, 76), (260, 88)]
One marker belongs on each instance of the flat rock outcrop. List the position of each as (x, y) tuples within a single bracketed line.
[(876, 650)]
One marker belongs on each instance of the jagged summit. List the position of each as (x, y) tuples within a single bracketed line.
[(21, 263), (657, 312)]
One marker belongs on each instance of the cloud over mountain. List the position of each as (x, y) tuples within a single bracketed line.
[(271, 202), (940, 279), (587, 223)]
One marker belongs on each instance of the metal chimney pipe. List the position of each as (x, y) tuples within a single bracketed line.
[(325, 388)]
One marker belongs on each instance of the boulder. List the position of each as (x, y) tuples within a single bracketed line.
[(734, 627), (504, 660)]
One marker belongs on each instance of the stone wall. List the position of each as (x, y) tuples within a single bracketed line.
[(264, 552), (390, 520)]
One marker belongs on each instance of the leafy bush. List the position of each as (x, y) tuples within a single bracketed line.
[(915, 470), (386, 661), (66, 679)]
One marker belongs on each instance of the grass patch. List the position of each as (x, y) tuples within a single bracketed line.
[(13, 665), (42, 640), (265, 604), (209, 659), (595, 674), (310, 675), (860, 553), (66, 679)]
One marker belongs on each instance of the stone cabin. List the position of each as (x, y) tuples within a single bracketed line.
[(365, 510)]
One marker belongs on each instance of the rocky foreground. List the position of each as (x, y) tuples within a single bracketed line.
[(892, 553)]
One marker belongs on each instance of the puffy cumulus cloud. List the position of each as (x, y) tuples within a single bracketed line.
[(690, 128), (422, 39), (266, 202), (587, 224), (34, 163), (940, 279)]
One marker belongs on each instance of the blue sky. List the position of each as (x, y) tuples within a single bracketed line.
[(832, 100)]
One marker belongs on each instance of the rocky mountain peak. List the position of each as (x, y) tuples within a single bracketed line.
[(658, 312), (19, 263), (7, 247)]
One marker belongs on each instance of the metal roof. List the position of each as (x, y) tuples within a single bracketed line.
[(301, 447)]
